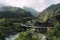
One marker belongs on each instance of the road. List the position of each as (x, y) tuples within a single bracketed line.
[(42, 36), (34, 26)]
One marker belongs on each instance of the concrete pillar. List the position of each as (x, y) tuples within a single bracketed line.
[(41, 29)]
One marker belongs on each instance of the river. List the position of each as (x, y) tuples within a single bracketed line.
[(12, 37)]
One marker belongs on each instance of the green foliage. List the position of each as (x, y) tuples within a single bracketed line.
[(57, 30), (50, 35), (27, 36), (2, 21), (7, 27), (54, 34), (2, 37)]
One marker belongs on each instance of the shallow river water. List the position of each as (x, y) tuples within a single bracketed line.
[(12, 37)]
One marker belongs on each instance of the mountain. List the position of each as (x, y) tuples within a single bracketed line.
[(1, 5), (12, 12), (50, 12), (33, 12)]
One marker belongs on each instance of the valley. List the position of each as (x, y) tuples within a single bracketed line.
[(28, 25)]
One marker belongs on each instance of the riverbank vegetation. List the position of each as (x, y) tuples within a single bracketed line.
[(28, 35), (10, 27)]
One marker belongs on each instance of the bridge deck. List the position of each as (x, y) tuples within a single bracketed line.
[(35, 26)]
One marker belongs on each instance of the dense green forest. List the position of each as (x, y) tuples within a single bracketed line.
[(54, 34), (28, 35)]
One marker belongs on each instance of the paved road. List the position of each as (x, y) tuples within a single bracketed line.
[(42, 36)]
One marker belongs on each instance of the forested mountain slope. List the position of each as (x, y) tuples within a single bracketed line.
[(12, 12), (50, 12)]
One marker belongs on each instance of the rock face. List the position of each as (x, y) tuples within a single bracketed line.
[(50, 12)]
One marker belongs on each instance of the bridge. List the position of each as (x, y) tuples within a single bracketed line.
[(38, 28), (34, 26)]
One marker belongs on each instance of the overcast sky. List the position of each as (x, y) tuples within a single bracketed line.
[(38, 5)]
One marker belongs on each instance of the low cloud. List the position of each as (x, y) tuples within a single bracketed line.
[(38, 5)]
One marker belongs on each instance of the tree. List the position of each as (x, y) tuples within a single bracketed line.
[(27, 36), (54, 34)]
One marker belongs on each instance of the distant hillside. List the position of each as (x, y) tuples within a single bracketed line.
[(33, 12), (1, 5), (50, 12), (12, 12)]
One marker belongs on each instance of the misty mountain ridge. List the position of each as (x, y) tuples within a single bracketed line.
[(11, 12), (33, 12), (10, 8), (1, 5)]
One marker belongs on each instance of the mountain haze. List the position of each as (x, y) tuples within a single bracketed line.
[(11, 12), (33, 12)]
